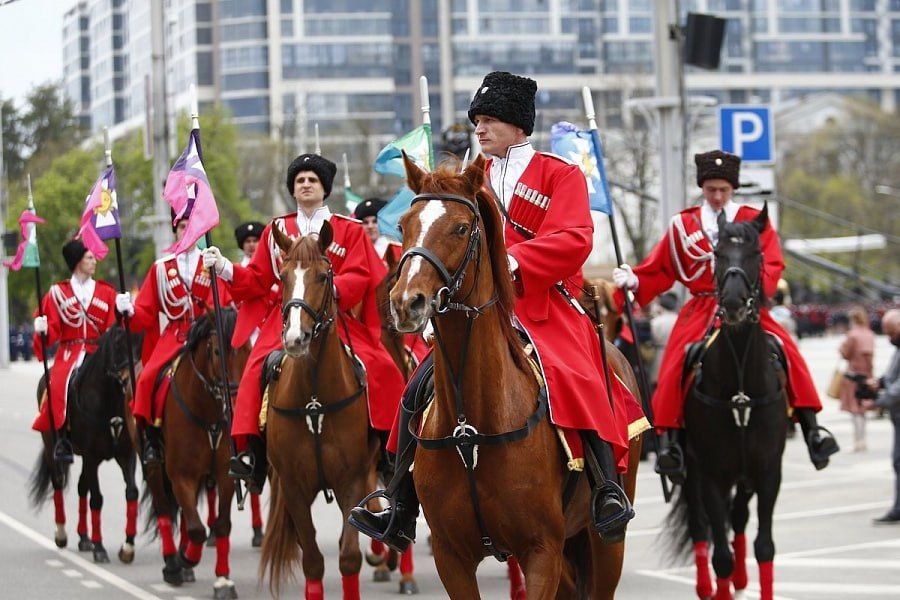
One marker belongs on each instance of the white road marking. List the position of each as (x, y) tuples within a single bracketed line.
[(79, 562), (162, 587), (90, 583), (52, 562), (72, 573)]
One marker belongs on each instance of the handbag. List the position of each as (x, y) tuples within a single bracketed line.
[(834, 386)]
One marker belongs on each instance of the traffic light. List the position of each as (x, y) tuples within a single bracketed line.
[(703, 39)]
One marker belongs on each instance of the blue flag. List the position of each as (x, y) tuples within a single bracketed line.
[(389, 216), (584, 149), (417, 144)]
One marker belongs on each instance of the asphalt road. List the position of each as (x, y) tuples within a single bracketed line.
[(826, 544)]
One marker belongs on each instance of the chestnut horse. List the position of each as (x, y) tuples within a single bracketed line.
[(317, 423), (517, 486), (197, 450)]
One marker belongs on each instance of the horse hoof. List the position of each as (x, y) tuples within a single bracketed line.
[(409, 588), (100, 554), (126, 553), (258, 537), (373, 560), (392, 560), (84, 544), (223, 589), (187, 574), (211, 539), (173, 573), (381, 575)]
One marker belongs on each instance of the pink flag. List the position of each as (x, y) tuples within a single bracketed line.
[(27, 253), (100, 219), (188, 193)]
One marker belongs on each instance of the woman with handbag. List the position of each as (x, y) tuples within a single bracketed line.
[(858, 348)]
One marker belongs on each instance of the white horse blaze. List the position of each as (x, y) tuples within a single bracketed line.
[(292, 333), (427, 218)]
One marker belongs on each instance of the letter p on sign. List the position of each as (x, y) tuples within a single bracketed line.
[(747, 132)]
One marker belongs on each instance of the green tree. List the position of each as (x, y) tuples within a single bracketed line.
[(50, 126), (13, 141)]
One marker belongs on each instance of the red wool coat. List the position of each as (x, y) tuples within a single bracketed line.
[(77, 330), (164, 294), (357, 272), (550, 234), (685, 254)]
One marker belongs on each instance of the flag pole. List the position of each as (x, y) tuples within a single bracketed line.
[(43, 335), (121, 268), (426, 118), (629, 308), (227, 408)]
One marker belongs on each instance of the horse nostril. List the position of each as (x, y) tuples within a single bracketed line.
[(418, 303)]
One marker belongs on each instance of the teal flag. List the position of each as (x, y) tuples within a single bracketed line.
[(416, 143)]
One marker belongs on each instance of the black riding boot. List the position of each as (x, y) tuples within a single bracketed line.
[(396, 525), (251, 465), (819, 441), (62, 450), (670, 458), (610, 508), (151, 445)]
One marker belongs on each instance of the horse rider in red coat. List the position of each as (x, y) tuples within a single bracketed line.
[(251, 312), (549, 235), (75, 313), (177, 289), (357, 272), (685, 254)]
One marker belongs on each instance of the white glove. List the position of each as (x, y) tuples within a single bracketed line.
[(212, 258), (624, 277), (124, 304), (40, 324)]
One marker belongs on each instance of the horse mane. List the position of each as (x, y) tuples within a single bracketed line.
[(446, 177), (203, 327)]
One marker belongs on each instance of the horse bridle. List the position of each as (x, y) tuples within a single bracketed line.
[(753, 287), (321, 320), (443, 299)]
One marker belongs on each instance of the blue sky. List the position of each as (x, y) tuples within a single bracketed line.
[(30, 44)]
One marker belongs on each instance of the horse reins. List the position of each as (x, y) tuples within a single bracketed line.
[(465, 437), (314, 411)]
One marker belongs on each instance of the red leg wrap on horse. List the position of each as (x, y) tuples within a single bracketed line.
[(223, 547), (739, 575), (193, 552), (406, 562), (211, 506), (701, 561), (315, 590), (96, 535), (255, 512), (377, 547), (350, 586), (82, 528), (59, 504), (723, 588), (516, 579), (165, 535), (131, 512), (766, 580)]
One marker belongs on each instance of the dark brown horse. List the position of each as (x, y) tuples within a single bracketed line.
[(99, 418), (317, 423), (197, 450), (519, 485)]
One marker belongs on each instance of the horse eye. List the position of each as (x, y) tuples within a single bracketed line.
[(400, 228), (322, 277), (462, 229)]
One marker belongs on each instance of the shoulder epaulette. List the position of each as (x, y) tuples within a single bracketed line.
[(562, 159), (101, 283), (162, 260), (347, 218)]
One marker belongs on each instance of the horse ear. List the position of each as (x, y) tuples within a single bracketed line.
[(474, 173), (326, 235), (762, 218), (281, 239), (414, 174)]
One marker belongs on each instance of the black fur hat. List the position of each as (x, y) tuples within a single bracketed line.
[(507, 97), (369, 208), (321, 166), (718, 165), (248, 229), (73, 251)]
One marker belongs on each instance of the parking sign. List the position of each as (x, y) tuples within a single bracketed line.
[(746, 130)]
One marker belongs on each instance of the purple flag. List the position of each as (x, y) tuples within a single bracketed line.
[(100, 219), (188, 193)]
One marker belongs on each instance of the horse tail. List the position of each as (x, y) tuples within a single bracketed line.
[(280, 549), (40, 482), (678, 545)]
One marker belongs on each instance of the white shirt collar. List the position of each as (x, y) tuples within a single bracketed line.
[(83, 291), (708, 218), (381, 245), (307, 225), (506, 171), (187, 265)]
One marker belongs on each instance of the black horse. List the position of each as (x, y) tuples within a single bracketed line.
[(734, 424), (100, 422)]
